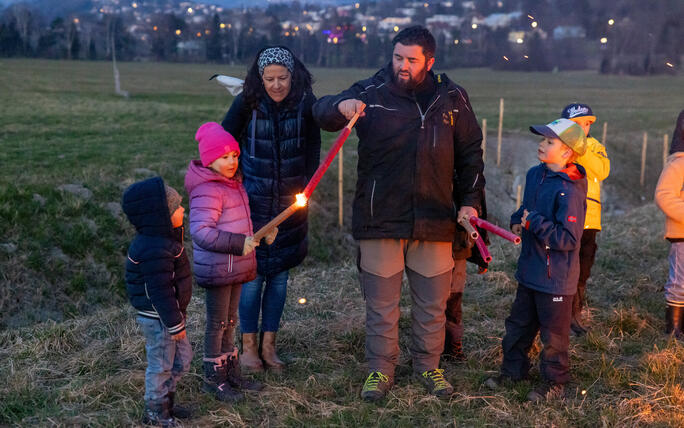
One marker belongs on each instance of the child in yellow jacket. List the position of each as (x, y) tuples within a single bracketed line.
[(669, 196), (597, 165)]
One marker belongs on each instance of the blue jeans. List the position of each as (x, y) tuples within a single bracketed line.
[(674, 288), (271, 303), (167, 360)]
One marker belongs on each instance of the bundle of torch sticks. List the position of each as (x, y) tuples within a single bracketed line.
[(469, 223)]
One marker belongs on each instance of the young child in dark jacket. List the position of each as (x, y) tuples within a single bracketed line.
[(159, 286), (223, 245), (550, 221)]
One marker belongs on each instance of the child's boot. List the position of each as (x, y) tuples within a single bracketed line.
[(215, 374), (235, 378), (180, 412), (674, 318), (249, 359), (157, 412), (268, 351)]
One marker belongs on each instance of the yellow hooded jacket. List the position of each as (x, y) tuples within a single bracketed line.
[(669, 195), (595, 161)]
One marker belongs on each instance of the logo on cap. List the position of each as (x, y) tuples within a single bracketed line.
[(577, 111)]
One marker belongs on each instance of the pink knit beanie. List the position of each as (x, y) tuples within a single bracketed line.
[(214, 142)]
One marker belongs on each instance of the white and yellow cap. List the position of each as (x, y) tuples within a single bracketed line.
[(570, 133)]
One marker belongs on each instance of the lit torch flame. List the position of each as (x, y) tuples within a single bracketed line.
[(302, 300), (301, 199)]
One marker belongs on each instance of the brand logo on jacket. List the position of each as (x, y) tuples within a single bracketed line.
[(572, 219), (558, 299)]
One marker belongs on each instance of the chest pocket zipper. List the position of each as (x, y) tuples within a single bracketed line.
[(371, 199)]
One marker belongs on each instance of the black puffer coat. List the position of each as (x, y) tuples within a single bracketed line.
[(410, 158), (158, 276), (280, 151)]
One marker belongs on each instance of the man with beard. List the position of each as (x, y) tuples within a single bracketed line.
[(417, 134)]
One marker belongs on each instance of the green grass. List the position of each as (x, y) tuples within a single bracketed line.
[(70, 353)]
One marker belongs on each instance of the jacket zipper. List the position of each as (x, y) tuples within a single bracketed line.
[(548, 262), (434, 136), (230, 262), (372, 196), (422, 115)]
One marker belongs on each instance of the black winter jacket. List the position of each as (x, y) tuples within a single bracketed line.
[(409, 157), (279, 152), (158, 276)]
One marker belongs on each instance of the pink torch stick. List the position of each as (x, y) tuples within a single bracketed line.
[(484, 251), (303, 197), (484, 224)]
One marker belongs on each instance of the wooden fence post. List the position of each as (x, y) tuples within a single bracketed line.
[(340, 188), (498, 145), (643, 159), (518, 197), (605, 129), (484, 140)]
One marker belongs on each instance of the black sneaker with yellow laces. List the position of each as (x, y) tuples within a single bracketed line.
[(436, 384), (376, 386)]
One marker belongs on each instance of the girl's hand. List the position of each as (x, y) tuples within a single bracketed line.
[(271, 236), (250, 245), (517, 229)]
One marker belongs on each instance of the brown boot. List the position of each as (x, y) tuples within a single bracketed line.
[(268, 351), (249, 359)]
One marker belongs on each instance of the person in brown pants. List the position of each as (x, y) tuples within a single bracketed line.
[(417, 133)]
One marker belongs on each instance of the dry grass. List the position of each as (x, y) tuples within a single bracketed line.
[(70, 352)]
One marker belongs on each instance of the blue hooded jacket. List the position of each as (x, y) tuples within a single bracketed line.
[(556, 201), (158, 275)]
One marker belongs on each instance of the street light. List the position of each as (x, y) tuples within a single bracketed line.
[(604, 40), (474, 26), (611, 21)]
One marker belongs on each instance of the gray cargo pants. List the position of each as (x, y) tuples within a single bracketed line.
[(428, 301)]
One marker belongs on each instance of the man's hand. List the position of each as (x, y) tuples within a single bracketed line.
[(348, 108), (179, 336), (466, 212), (517, 229)]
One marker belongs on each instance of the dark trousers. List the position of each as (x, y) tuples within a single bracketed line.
[(222, 307), (533, 312), (587, 254)]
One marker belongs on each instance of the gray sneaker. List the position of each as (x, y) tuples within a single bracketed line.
[(436, 384)]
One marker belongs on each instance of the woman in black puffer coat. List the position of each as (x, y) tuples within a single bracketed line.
[(280, 145)]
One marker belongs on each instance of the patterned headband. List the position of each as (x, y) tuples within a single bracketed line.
[(275, 56)]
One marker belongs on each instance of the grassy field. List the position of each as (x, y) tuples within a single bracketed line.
[(70, 353)]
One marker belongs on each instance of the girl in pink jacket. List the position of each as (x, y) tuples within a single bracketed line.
[(223, 253), (669, 196)]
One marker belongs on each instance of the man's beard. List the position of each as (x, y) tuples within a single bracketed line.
[(412, 82)]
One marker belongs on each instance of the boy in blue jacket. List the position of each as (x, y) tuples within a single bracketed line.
[(159, 286), (550, 221)]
